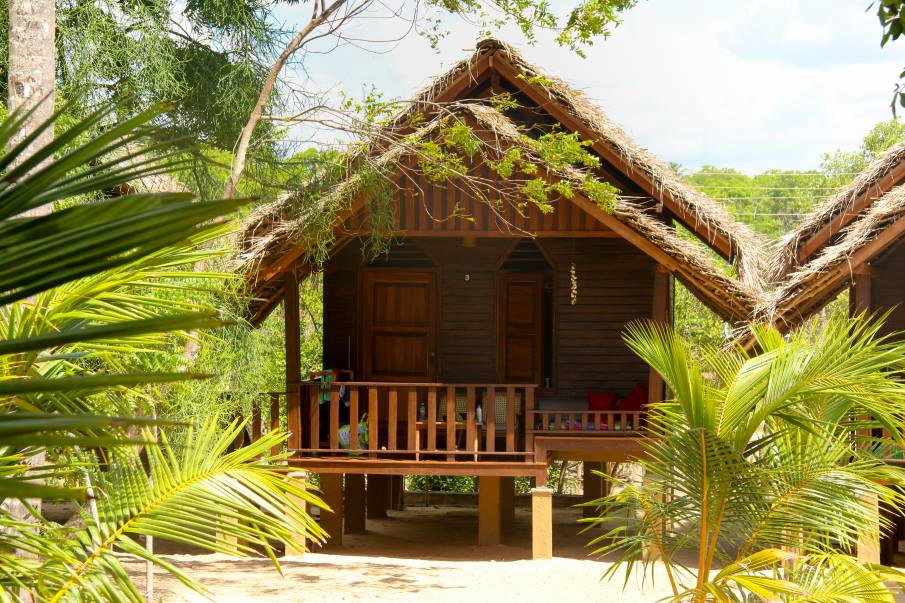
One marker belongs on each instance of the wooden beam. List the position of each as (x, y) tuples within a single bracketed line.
[(411, 467), (661, 313), (293, 341), (860, 297)]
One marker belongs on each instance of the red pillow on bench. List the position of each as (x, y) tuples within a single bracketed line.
[(601, 400), (636, 400)]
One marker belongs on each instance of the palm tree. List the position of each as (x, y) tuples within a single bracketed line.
[(84, 315), (767, 465)]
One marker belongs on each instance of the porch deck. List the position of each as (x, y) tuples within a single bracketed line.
[(444, 429)]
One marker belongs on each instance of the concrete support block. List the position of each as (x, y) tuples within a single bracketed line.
[(332, 493), (507, 504), (296, 549), (868, 547), (489, 510), (541, 523)]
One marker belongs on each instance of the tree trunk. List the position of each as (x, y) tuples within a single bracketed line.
[(31, 82), (32, 70)]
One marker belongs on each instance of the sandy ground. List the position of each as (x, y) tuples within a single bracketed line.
[(349, 578), (422, 554)]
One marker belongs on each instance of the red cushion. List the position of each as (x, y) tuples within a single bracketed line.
[(601, 400), (636, 400)]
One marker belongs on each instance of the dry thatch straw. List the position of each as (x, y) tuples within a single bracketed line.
[(713, 217), (274, 227), (814, 284), (868, 182)]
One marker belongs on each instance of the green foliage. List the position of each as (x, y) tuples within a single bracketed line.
[(93, 295), (764, 464), (442, 483), (200, 494), (576, 29), (840, 165), (247, 362), (892, 19)]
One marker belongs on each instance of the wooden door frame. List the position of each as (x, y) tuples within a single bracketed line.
[(366, 274), (500, 326)]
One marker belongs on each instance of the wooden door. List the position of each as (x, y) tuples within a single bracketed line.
[(399, 325), (520, 328)]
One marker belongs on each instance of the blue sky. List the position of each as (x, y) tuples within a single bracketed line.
[(753, 85)]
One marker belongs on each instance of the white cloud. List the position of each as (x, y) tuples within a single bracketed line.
[(805, 34), (765, 84)]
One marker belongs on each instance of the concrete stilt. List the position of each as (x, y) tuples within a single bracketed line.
[(332, 493), (507, 504), (868, 547), (297, 548), (489, 510), (354, 501), (541, 523)]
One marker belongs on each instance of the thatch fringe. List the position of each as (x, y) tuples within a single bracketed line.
[(814, 284), (786, 260)]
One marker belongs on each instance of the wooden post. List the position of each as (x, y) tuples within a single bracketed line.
[(489, 510), (661, 313), (354, 501), (378, 495), (296, 549), (860, 295), (332, 522), (397, 493), (592, 486), (541, 523), (868, 546), (293, 335)]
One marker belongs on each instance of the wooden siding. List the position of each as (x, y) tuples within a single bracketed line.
[(887, 288), (341, 322), (615, 286), (428, 209)]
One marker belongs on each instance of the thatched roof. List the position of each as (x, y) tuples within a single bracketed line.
[(274, 234), (838, 211), (812, 285), (704, 216), (279, 230)]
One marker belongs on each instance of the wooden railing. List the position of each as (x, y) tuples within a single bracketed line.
[(429, 421), (587, 422)]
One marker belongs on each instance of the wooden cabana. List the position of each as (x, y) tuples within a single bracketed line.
[(485, 339)]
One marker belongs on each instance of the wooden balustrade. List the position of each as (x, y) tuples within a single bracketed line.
[(586, 422), (433, 421), (410, 421)]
